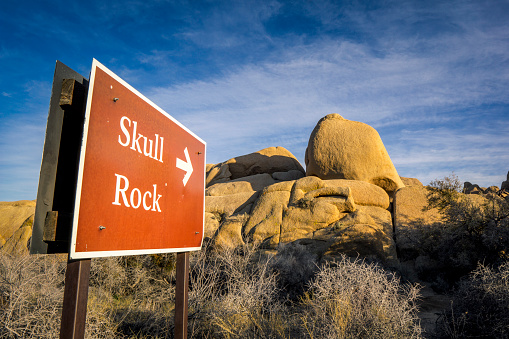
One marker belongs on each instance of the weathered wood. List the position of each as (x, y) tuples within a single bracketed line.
[(59, 167), (54, 224), (181, 295), (50, 226), (74, 309), (67, 92)]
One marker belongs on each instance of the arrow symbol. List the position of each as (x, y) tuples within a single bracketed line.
[(185, 166)]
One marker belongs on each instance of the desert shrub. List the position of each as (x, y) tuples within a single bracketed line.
[(131, 297), (480, 306), (31, 290), (472, 232), (442, 192), (128, 297), (233, 294), (353, 299), (296, 266)]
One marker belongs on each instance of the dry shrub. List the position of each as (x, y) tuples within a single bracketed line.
[(130, 297), (353, 299), (233, 294), (480, 307), (31, 290), (296, 266)]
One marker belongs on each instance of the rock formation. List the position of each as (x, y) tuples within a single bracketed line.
[(16, 219), (276, 161), (344, 149), (342, 205), (350, 200), (329, 217)]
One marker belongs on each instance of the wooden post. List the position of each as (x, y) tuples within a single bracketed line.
[(74, 311), (181, 295), (58, 178)]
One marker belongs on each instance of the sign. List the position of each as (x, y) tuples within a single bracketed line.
[(141, 178)]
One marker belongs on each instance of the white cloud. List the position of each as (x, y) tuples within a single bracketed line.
[(330, 76), (398, 82), (401, 65)]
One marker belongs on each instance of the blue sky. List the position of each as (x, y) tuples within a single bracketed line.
[(431, 76)]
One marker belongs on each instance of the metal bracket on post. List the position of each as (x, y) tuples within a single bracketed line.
[(181, 295)]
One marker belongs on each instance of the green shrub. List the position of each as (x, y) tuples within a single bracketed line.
[(474, 230), (480, 307), (353, 299)]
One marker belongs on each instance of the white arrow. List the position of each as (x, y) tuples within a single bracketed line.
[(185, 166)]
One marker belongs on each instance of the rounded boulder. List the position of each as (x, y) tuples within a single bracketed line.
[(343, 149)]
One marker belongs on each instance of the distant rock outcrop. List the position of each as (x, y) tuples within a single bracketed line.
[(276, 161), (344, 149), (16, 219), (505, 184)]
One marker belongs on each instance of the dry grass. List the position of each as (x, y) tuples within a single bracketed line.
[(31, 290), (233, 294), (353, 299)]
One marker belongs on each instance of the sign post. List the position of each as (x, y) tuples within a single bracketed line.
[(74, 308), (181, 295), (139, 188), (59, 167)]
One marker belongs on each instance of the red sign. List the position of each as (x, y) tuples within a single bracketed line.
[(141, 179)]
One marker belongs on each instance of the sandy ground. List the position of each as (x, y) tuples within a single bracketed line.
[(431, 306)]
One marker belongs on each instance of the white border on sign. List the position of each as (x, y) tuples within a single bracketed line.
[(97, 254)]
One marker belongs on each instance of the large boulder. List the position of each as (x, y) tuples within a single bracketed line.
[(342, 149), (19, 242), (272, 160), (328, 217), (411, 181), (12, 215), (251, 183), (363, 193), (16, 220), (411, 217)]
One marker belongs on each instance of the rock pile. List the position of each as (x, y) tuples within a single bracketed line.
[(349, 200), (469, 188), (341, 205), (16, 219)]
